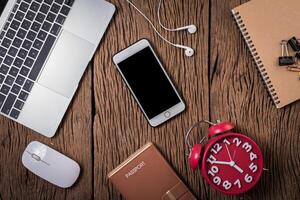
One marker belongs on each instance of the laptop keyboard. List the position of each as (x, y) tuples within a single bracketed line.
[(25, 43)]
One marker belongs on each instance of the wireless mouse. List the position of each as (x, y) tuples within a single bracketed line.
[(50, 165)]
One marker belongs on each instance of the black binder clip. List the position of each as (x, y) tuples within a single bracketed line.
[(294, 44), (285, 59)]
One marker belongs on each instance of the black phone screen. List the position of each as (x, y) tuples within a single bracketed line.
[(149, 83), (2, 5)]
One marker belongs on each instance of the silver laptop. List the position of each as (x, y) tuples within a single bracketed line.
[(45, 46)]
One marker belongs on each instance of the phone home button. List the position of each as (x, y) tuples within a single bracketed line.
[(167, 114)]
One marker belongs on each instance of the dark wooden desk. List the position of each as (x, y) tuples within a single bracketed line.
[(104, 124)]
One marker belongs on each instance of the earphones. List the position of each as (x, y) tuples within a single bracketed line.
[(188, 51), (190, 28)]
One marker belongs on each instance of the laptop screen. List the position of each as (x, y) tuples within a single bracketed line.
[(2, 5)]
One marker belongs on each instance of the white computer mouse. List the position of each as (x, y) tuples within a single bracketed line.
[(50, 165)]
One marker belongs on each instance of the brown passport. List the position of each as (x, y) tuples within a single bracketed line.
[(146, 175)]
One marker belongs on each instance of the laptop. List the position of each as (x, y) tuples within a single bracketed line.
[(45, 47)]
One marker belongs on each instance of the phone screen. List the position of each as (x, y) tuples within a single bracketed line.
[(149, 83)]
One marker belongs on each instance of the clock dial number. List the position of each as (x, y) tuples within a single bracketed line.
[(253, 156), (248, 178), (211, 159), (238, 183), (217, 180), (226, 141), (216, 148), (253, 167), (213, 170), (237, 141), (247, 147), (227, 185)]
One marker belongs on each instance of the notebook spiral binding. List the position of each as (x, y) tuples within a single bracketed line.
[(256, 57)]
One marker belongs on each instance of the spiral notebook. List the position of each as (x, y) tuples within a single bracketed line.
[(264, 23)]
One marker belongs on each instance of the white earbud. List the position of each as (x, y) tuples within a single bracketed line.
[(188, 51), (190, 28)]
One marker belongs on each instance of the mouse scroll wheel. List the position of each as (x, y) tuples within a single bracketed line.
[(36, 157)]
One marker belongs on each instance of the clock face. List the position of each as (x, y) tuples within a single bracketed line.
[(232, 163)]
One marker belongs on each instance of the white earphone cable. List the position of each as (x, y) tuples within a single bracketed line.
[(159, 21), (171, 43)]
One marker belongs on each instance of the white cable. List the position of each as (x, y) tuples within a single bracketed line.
[(159, 21), (171, 43)]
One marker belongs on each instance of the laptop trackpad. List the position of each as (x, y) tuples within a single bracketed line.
[(66, 64)]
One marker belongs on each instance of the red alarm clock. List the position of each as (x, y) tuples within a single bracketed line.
[(230, 162)]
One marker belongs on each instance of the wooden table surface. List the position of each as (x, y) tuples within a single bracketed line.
[(104, 125)]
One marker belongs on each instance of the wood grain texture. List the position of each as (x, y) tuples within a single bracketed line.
[(104, 125)]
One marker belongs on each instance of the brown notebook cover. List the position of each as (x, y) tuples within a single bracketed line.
[(146, 175), (264, 23)]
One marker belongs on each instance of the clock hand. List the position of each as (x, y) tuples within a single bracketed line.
[(228, 152), (234, 154), (238, 168), (221, 162)]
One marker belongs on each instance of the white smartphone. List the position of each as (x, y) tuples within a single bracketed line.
[(149, 83)]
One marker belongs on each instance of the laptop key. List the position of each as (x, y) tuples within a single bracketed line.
[(13, 51), (15, 89), (40, 17), (45, 9), (20, 80), (9, 80), (29, 62), (26, 24), (23, 96), (9, 103), (42, 35), (2, 99), (48, 1), (55, 29), (46, 26), (42, 58), (11, 16), (5, 89), (55, 8), (14, 113), (21, 33), (24, 71), (28, 1), (15, 8), (18, 62), (2, 51), (19, 104), (8, 60), (69, 2), (30, 15), (6, 26), (11, 34), (17, 42), (59, 1), (31, 35), (37, 44), (33, 53), (15, 25), (6, 42), (19, 16), (27, 44), (60, 19), (28, 85), (13, 71), (35, 27), (22, 53), (51, 17), (4, 69), (65, 10), (34, 6), (24, 7), (2, 77)]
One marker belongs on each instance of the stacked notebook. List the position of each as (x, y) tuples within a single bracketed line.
[(264, 23)]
